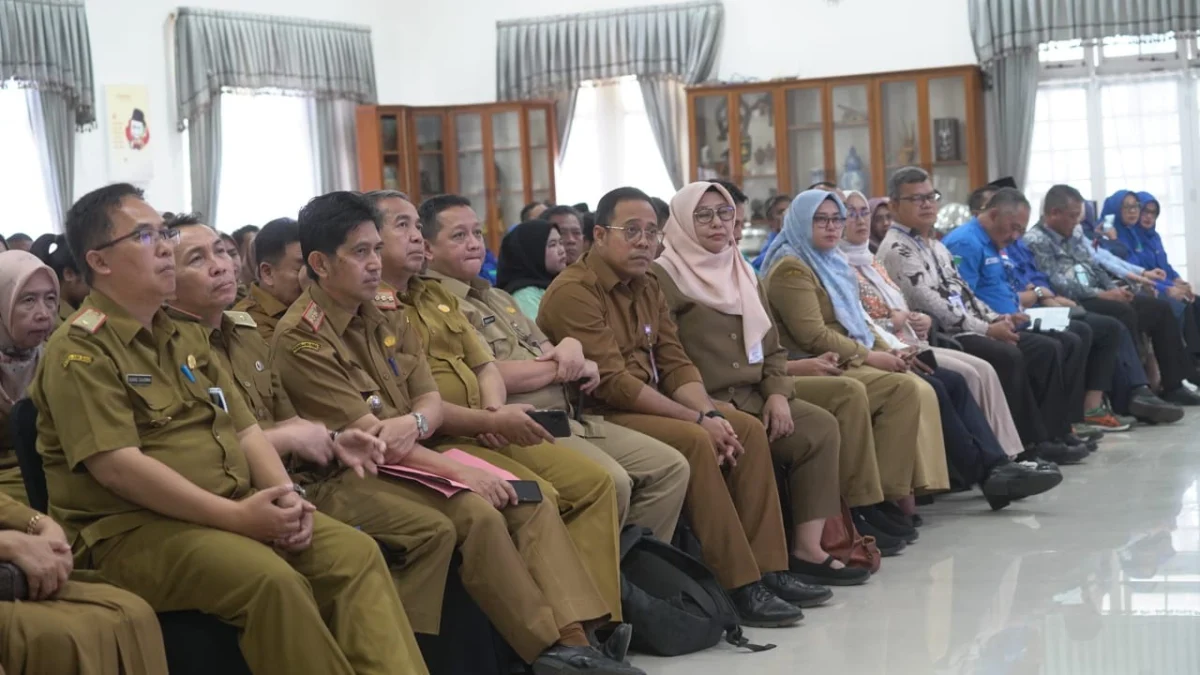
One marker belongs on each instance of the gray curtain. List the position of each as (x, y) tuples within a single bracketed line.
[(221, 51), (564, 114), (549, 57), (204, 146), (1010, 108), (666, 107), (334, 144), (44, 46), (1001, 27)]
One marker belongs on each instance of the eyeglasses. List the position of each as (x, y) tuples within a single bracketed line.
[(931, 198), (861, 213), (632, 234), (1131, 207), (147, 237), (829, 223), (705, 215)]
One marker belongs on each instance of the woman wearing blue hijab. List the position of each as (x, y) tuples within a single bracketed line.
[(1150, 253)]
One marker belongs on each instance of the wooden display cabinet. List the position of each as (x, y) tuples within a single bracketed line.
[(499, 155), (853, 131)]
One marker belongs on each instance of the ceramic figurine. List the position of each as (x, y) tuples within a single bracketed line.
[(853, 176)]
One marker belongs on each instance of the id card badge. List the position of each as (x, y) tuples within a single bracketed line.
[(957, 301), (756, 354), (1082, 276), (650, 351), (218, 398)]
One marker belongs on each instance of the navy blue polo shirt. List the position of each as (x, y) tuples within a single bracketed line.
[(982, 266)]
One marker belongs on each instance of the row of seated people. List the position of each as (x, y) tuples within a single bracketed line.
[(368, 339)]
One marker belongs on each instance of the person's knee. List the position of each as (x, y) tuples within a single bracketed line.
[(822, 427)]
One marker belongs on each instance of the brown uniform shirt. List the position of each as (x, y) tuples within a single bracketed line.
[(246, 357), (107, 383), (802, 310), (263, 308), (511, 335), (716, 344), (626, 328), (337, 367), (451, 344)]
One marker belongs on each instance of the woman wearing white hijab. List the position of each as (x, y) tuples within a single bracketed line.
[(886, 306)]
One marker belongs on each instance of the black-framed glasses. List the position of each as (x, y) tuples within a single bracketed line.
[(829, 223), (147, 237), (1131, 207), (930, 198), (632, 234), (706, 215)]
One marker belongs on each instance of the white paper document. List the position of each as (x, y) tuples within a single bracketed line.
[(1052, 318)]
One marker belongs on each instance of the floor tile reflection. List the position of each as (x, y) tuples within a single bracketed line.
[(1098, 577)]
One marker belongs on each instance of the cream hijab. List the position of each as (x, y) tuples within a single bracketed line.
[(17, 366), (722, 281)]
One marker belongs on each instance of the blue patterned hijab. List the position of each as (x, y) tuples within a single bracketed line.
[(796, 240)]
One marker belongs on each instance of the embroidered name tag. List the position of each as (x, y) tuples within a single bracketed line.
[(489, 320), (306, 344), (77, 358), (991, 261), (139, 380)]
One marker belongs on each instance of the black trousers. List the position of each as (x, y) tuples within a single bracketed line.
[(1031, 374), (1076, 343), (971, 447), (1154, 317)]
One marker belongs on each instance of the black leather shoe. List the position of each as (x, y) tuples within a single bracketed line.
[(896, 514), (1088, 436), (1018, 480), (563, 660), (1073, 441), (788, 587), (616, 647), (887, 544), (757, 606), (824, 574), (1059, 453), (1147, 407), (1182, 396), (888, 525)]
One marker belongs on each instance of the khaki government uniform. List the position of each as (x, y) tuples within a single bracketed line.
[(651, 477), (627, 330), (716, 344), (587, 498), (421, 539), (86, 629), (909, 448), (518, 564), (11, 483), (264, 308), (108, 383)]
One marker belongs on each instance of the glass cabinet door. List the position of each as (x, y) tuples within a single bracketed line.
[(899, 106), (757, 154), (510, 180), (711, 127), (389, 131), (948, 128), (806, 138), (540, 163), (431, 163), (852, 137), (468, 136)]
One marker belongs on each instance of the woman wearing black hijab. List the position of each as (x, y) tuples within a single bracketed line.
[(531, 255)]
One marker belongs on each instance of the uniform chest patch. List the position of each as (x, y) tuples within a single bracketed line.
[(136, 380), (489, 319)]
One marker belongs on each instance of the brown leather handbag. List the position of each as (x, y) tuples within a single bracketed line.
[(13, 585), (842, 541)]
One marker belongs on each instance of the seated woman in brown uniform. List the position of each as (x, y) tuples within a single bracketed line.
[(66, 627), (715, 298)]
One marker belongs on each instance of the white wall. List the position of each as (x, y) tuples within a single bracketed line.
[(449, 46)]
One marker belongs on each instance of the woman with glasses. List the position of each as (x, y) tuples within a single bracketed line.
[(886, 306), (531, 255), (880, 220), (719, 309)]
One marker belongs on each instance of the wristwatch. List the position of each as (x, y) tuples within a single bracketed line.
[(714, 413), (300, 491), (1037, 290), (422, 425)]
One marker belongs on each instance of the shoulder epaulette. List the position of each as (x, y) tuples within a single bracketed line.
[(90, 320), (242, 319), (314, 316), (386, 300)]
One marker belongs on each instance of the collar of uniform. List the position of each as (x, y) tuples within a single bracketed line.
[(177, 314), (335, 315), (455, 286), (975, 229), (271, 306), (121, 321), (1054, 236), (606, 275)]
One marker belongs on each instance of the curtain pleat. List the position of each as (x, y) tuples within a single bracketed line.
[(53, 121), (204, 144), (44, 45), (334, 145), (666, 108)]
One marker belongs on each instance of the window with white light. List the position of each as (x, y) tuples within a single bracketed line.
[(1060, 152), (268, 168), (611, 145), (22, 176)]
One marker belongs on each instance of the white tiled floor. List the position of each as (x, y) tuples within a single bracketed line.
[(1100, 576)]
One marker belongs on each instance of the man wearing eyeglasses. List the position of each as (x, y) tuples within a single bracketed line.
[(168, 487), (1030, 366), (647, 383)]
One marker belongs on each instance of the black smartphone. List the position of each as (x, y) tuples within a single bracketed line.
[(553, 421), (528, 491), (927, 357)]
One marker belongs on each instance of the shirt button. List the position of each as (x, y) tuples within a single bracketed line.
[(246, 384), (733, 336), (733, 390), (736, 365)]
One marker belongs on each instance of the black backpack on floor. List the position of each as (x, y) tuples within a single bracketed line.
[(673, 600)]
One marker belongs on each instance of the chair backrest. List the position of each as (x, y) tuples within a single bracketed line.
[(23, 423)]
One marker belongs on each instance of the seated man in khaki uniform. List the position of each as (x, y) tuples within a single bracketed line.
[(609, 303), (651, 477), (280, 272), (168, 488), (330, 469), (475, 408), (345, 364)]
